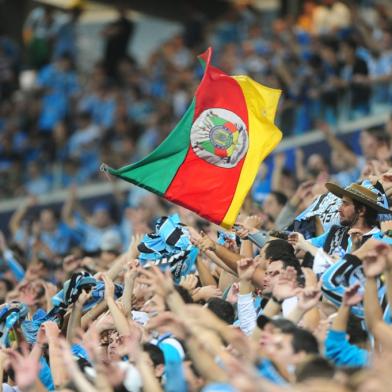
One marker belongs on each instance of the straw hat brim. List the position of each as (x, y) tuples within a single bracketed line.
[(340, 192)]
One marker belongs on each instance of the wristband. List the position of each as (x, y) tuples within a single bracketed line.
[(279, 302)]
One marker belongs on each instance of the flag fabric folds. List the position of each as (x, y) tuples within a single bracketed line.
[(210, 160)]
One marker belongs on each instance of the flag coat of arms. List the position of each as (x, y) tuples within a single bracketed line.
[(210, 160)]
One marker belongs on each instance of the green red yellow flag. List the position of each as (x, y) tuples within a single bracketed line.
[(209, 161)]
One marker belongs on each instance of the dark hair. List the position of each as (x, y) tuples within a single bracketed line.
[(184, 293), (350, 43), (289, 260), (155, 353), (379, 134), (356, 333), (221, 308), (284, 325), (303, 340), (315, 367), (280, 197), (330, 43), (275, 249), (371, 215)]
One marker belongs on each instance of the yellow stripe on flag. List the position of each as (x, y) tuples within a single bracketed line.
[(261, 102)]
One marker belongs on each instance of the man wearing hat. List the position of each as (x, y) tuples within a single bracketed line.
[(358, 214), (361, 206)]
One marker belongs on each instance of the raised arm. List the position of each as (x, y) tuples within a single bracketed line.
[(69, 207), (57, 369), (19, 214), (74, 322), (131, 254), (374, 264), (120, 321), (337, 348), (129, 284)]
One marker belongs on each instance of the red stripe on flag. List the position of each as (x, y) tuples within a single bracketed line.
[(203, 187)]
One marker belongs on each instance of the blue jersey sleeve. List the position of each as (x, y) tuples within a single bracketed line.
[(342, 353)]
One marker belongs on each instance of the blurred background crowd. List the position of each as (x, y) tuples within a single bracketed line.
[(333, 62), (68, 260)]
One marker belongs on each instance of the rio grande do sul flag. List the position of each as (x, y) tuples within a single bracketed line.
[(209, 161)]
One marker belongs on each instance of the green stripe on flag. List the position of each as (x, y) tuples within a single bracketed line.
[(150, 172)]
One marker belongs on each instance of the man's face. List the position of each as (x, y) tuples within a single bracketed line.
[(369, 145), (115, 342), (271, 276), (280, 348), (101, 218), (47, 220), (316, 163), (347, 213), (271, 206)]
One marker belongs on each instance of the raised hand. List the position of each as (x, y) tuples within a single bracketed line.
[(84, 296), (189, 282), (26, 368), (206, 292), (309, 297), (352, 296), (205, 243), (232, 295), (370, 245), (195, 235), (52, 331), (305, 190), (286, 285), (158, 282), (253, 222), (167, 322), (242, 232), (279, 160), (373, 264), (356, 238), (297, 240), (136, 239), (109, 287), (131, 271), (246, 268)]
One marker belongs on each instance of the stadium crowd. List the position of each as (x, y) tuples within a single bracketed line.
[(142, 295), (333, 63)]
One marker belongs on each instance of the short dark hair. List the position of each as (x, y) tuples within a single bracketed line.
[(184, 293), (315, 367), (351, 43), (378, 133), (330, 43), (280, 197), (289, 260), (275, 249), (221, 308), (303, 340), (155, 353), (283, 324)]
